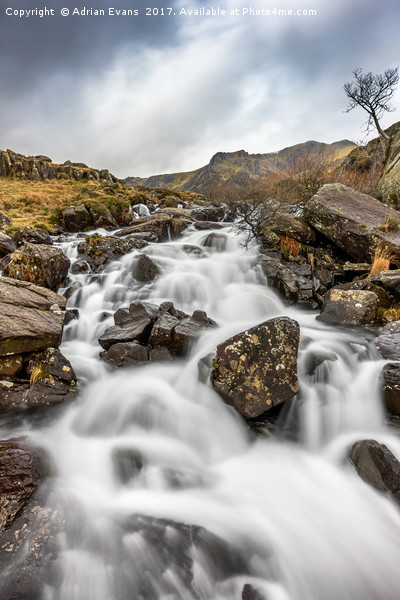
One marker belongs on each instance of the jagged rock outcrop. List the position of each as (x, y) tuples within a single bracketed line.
[(377, 466), (37, 263), (40, 168), (149, 332), (354, 221), (257, 369)]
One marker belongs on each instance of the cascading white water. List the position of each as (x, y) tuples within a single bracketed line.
[(309, 528)]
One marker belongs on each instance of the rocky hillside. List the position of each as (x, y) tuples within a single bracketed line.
[(40, 168), (238, 166)]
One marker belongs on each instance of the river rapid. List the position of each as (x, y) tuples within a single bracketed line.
[(286, 500)]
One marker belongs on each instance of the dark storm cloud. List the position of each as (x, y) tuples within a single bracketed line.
[(36, 48), (144, 95)]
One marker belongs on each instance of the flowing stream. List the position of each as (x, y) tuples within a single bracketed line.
[(287, 500)]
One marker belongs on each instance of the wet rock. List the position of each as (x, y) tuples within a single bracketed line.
[(98, 251), (208, 213), (127, 463), (377, 466), (352, 220), (209, 225), (388, 341), (250, 593), (71, 314), (21, 469), (145, 269), (294, 281), (7, 244), (29, 554), (31, 317), (80, 266), (134, 324), (37, 263), (390, 282), (349, 307), (257, 369), (77, 218), (391, 387), (126, 354), (52, 381), (173, 547), (148, 332), (162, 227), (33, 235), (4, 221)]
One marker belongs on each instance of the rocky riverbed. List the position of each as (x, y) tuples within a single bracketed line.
[(172, 361)]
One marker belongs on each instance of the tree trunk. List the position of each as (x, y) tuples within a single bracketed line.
[(384, 138)]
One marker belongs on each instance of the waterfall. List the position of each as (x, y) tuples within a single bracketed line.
[(156, 441)]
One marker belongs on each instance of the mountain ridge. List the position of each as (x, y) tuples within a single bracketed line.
[(232, 166)]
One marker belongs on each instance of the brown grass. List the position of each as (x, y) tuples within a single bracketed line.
[(381, 260), (37, 374), (290, 247)]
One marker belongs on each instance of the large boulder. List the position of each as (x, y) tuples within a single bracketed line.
[(31, 317), (257, 369), (37, 263), (98, 250), (284, 224), (354, 221), (7, 244), (349, 307), (377, 466), (77, 218), (33, 235)]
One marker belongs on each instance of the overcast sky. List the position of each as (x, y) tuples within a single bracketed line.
[(145, 95)]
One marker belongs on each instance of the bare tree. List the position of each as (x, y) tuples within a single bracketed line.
[(373, 93)]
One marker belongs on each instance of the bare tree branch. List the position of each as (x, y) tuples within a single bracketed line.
[(373, 93)]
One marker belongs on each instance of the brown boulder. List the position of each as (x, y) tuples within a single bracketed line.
[(349, 307), (352, 220), (33, 235), (31, 317), (37, 263), (257, 369), (76, 218)]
